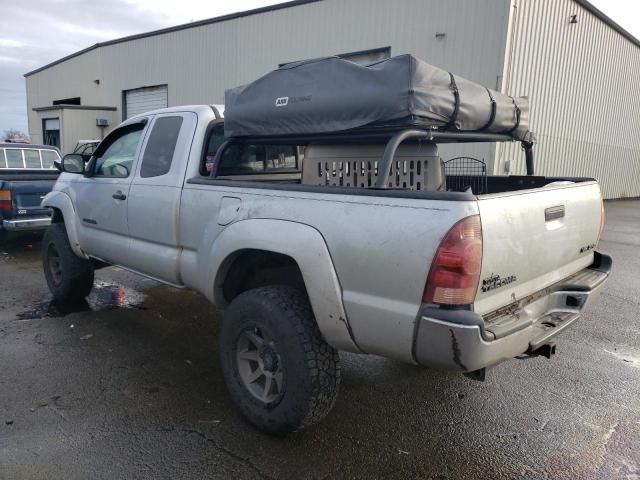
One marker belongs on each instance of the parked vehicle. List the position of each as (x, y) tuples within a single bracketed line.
[(27, 173), (353, 241), (86, 148)]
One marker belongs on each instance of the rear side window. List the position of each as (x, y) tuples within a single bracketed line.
[(32, 159), (29, 158), (14, 158), (48, 157), (160, 148)]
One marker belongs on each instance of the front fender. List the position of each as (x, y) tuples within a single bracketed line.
[(62, 201), (307, 247)]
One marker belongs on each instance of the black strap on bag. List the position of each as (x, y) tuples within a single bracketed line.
[(517, 117), (492, 117), (456, 107)]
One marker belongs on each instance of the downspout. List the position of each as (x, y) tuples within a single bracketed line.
[(503, 81)]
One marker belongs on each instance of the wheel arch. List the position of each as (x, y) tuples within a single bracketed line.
[(63, 212), (295, 247)]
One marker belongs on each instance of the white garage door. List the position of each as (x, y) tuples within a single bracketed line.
[(142, 100)]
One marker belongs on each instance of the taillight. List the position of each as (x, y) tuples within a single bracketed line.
[(455, 271), (601, 221), (5, 201)]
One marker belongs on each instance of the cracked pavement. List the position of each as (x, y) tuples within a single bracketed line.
[(129, 387)]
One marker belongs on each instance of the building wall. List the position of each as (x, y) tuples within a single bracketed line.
[(75, 124), (198, 63), (582, 81), (81, 125)]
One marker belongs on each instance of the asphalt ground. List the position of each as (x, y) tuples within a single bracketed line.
[(128, 386)]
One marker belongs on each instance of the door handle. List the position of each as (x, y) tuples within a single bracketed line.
[(119, 195), (553, 213)]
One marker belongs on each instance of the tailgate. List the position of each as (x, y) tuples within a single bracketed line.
[(535, 238), (26, 196)]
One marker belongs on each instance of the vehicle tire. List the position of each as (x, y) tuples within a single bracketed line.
[(70, 278), (280, 372)]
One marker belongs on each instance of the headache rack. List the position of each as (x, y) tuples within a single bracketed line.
[(393, 138)]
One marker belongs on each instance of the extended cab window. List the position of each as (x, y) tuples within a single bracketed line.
[(115, 158), (158, 154)]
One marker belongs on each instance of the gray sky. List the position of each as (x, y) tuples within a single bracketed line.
[(36, 32)]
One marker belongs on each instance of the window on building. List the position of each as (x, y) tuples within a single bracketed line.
[(161, 146), (367, 57), (67, 101), (51, 131), (362, 57)]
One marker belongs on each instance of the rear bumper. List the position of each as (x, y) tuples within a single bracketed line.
[(26, 224), (462, 340)]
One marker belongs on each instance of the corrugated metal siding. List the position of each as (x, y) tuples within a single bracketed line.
[(200, 62), (582, 81), (81, 124)]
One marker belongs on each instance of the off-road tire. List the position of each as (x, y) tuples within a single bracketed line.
[(75, 278), (311, 366)]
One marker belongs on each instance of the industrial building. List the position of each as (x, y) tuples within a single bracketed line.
[(576, 65)]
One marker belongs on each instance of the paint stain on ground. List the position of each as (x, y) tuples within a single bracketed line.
[(104, 296)]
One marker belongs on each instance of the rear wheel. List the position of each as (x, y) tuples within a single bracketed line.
[(69, 277), (281, 373)]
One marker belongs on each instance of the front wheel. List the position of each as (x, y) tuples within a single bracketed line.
[(280, 372), (69, 277)]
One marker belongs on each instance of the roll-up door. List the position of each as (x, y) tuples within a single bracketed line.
[(142, 100)]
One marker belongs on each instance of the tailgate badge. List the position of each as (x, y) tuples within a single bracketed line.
[(587, 248), (496, 281)]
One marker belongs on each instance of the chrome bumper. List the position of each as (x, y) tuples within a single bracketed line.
[(26, 224), (462, 340)]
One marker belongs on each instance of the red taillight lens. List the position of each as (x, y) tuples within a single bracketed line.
[(455, 271), (602, 217), (5, 201)]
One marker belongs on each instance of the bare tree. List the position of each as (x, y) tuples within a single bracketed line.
[(15, 134)]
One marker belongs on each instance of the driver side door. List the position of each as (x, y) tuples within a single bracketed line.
[(101, 197)]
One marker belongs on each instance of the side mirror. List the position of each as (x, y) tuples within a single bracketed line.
[(73, 163), (120, 170)]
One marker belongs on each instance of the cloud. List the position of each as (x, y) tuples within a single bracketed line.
[(36, 32), (51, 29)]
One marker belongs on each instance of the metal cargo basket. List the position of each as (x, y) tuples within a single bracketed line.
[(464, 173)]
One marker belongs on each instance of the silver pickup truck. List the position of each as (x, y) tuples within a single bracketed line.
[(308, 254)]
